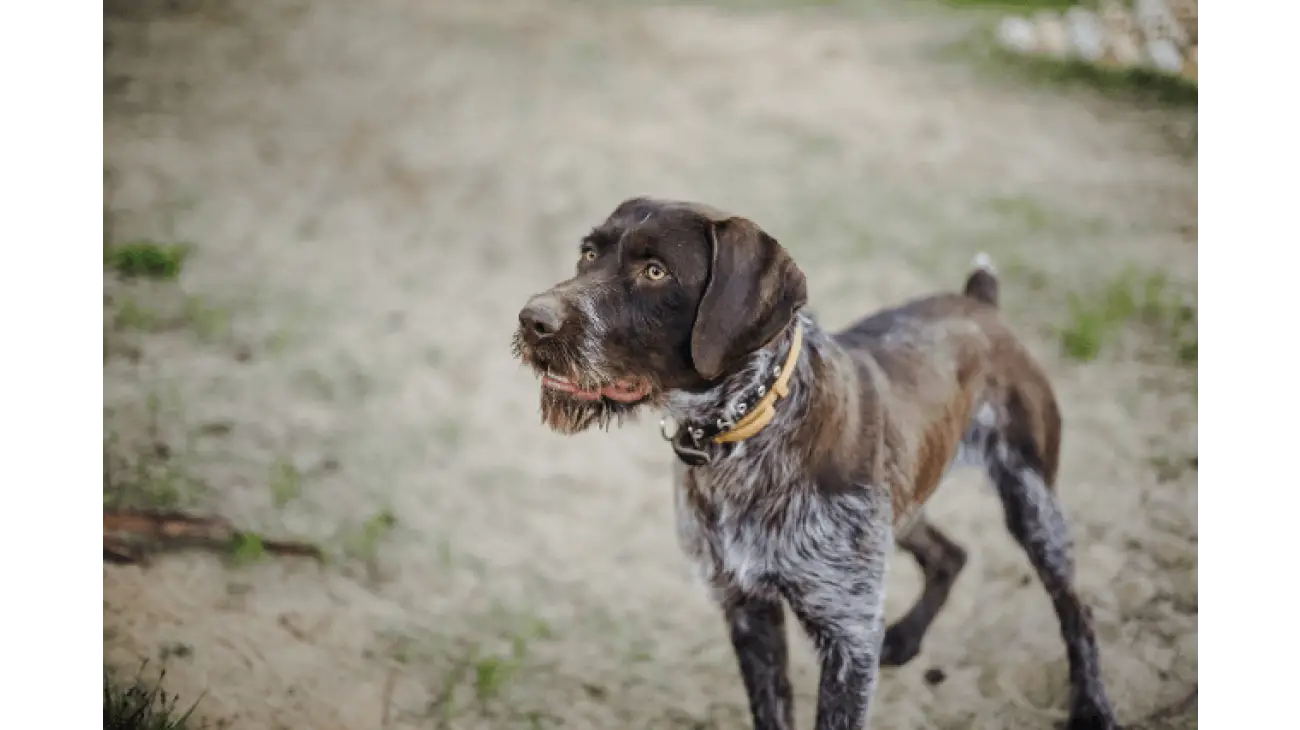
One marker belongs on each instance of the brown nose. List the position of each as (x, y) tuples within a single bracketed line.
[(542, 317)]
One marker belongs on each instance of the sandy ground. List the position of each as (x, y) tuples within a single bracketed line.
[(373, 189)]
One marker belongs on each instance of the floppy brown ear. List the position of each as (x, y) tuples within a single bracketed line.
[(754, 290)]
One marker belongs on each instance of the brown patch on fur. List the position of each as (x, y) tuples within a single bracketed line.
[(839, 418), (945, 357), (937, 448)]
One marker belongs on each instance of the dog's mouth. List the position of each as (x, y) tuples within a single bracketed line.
[(575, 398), (626, 391), (574, 404)]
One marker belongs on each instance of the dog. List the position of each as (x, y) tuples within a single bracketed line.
[(805, 457)]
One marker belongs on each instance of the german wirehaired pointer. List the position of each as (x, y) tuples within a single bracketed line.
[(805, 455)]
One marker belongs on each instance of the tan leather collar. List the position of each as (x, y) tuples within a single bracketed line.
[(765, 409)]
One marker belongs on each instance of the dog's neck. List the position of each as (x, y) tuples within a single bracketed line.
[(701, 415)]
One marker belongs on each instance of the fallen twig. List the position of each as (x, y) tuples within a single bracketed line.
[(130, 535)]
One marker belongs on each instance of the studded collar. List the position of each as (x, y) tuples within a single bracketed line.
[(756, 408)]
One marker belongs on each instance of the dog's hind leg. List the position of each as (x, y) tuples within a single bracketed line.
[(941, 561), (1036, 522)]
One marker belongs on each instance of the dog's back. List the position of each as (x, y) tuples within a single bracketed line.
[(954, 377)]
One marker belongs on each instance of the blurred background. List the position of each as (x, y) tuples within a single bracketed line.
[(322, 217)]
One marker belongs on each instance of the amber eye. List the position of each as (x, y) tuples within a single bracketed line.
[(588, 254), (655, 272)]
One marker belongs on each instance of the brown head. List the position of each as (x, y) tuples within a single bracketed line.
[(667, 296)]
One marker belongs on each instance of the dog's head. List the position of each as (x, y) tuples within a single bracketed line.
[(667, 296)]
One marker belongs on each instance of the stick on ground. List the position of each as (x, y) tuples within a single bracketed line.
[(130, 535)]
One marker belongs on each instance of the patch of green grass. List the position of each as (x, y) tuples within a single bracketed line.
[(147, 259), (472, 672), (1171, 317), (208, 321), (285, 482), (491, 673), (444, 703), (1126, 82), (245, 549), (1089, 328), (278, 341), (1030, 215), (1024, 210), (142, 705), (537, 628), (980, 49), (1130, 299), (159, 488), (132, 315), (363, 543), (154, 484), (150, 473)]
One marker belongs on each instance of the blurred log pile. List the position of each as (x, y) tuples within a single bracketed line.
[(1150, 35)]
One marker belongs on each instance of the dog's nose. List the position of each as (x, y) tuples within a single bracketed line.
[(542, 317)]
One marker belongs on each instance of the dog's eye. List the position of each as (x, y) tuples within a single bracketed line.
[(655, 272), (588, 254)]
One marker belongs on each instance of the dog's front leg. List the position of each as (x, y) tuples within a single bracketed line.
[(758, 635), (841, 606)]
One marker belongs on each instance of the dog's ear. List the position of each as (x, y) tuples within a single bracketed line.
[(753, 292)]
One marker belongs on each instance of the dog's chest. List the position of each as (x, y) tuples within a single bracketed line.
[(747, 542)]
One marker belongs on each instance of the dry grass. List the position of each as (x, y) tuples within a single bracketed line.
[(142, 704)]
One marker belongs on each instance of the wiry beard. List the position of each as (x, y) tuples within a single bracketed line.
[(566, 414)]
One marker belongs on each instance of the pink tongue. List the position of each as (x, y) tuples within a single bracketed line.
[(624, 393), (621, 392), (567, 387)]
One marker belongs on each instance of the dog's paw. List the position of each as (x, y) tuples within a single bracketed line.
[(900, 647)]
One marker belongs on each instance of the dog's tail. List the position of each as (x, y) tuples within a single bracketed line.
[(982, 284)]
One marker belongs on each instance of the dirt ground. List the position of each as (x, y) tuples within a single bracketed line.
[(374, 188)]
